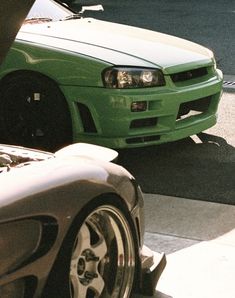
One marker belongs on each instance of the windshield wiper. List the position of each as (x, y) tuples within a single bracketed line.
[(37, 20), (84, 8), (73, 17)]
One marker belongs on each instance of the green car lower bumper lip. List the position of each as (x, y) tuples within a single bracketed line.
[(152, 139)]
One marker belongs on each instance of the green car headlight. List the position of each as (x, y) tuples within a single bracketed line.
[(131, 77)]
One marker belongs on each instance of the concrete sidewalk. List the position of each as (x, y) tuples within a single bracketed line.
[(199, 240)]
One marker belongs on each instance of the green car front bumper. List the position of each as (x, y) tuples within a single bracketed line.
[(175, 111)]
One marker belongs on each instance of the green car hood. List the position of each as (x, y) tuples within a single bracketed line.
[(117, 44)]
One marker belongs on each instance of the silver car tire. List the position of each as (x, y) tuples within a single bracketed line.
[(99, 255), (103, 257)]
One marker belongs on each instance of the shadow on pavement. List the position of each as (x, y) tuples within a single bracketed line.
[(201, 171)]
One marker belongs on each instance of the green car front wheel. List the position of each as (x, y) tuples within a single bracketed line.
[(34, 113)]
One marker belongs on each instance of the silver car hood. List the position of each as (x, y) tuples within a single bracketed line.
[(116, 44), (16, 154), (28, 171)]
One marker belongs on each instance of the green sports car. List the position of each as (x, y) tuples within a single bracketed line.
[(68, 78)]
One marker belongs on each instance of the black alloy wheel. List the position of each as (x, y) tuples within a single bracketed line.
[(34, 113)]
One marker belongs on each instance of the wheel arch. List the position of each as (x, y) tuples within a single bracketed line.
[(24, 75), (22, 72), (103, 199)]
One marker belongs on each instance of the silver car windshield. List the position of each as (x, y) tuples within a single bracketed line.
[(48, 10)]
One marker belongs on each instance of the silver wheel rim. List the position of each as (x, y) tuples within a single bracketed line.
[(103, 257)]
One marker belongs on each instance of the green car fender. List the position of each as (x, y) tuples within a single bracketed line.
[(64, 67)]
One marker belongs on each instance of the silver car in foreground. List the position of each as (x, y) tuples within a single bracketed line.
[(71, 225)]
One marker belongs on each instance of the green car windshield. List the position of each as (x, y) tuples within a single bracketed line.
[(48, 10)]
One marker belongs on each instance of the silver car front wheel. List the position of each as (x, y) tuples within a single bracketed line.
[(103, 257)]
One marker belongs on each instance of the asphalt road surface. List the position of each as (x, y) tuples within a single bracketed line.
[(201, 167), (210, 23)]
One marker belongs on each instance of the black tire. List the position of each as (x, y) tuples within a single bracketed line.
[(98, 258), (34, 113)]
